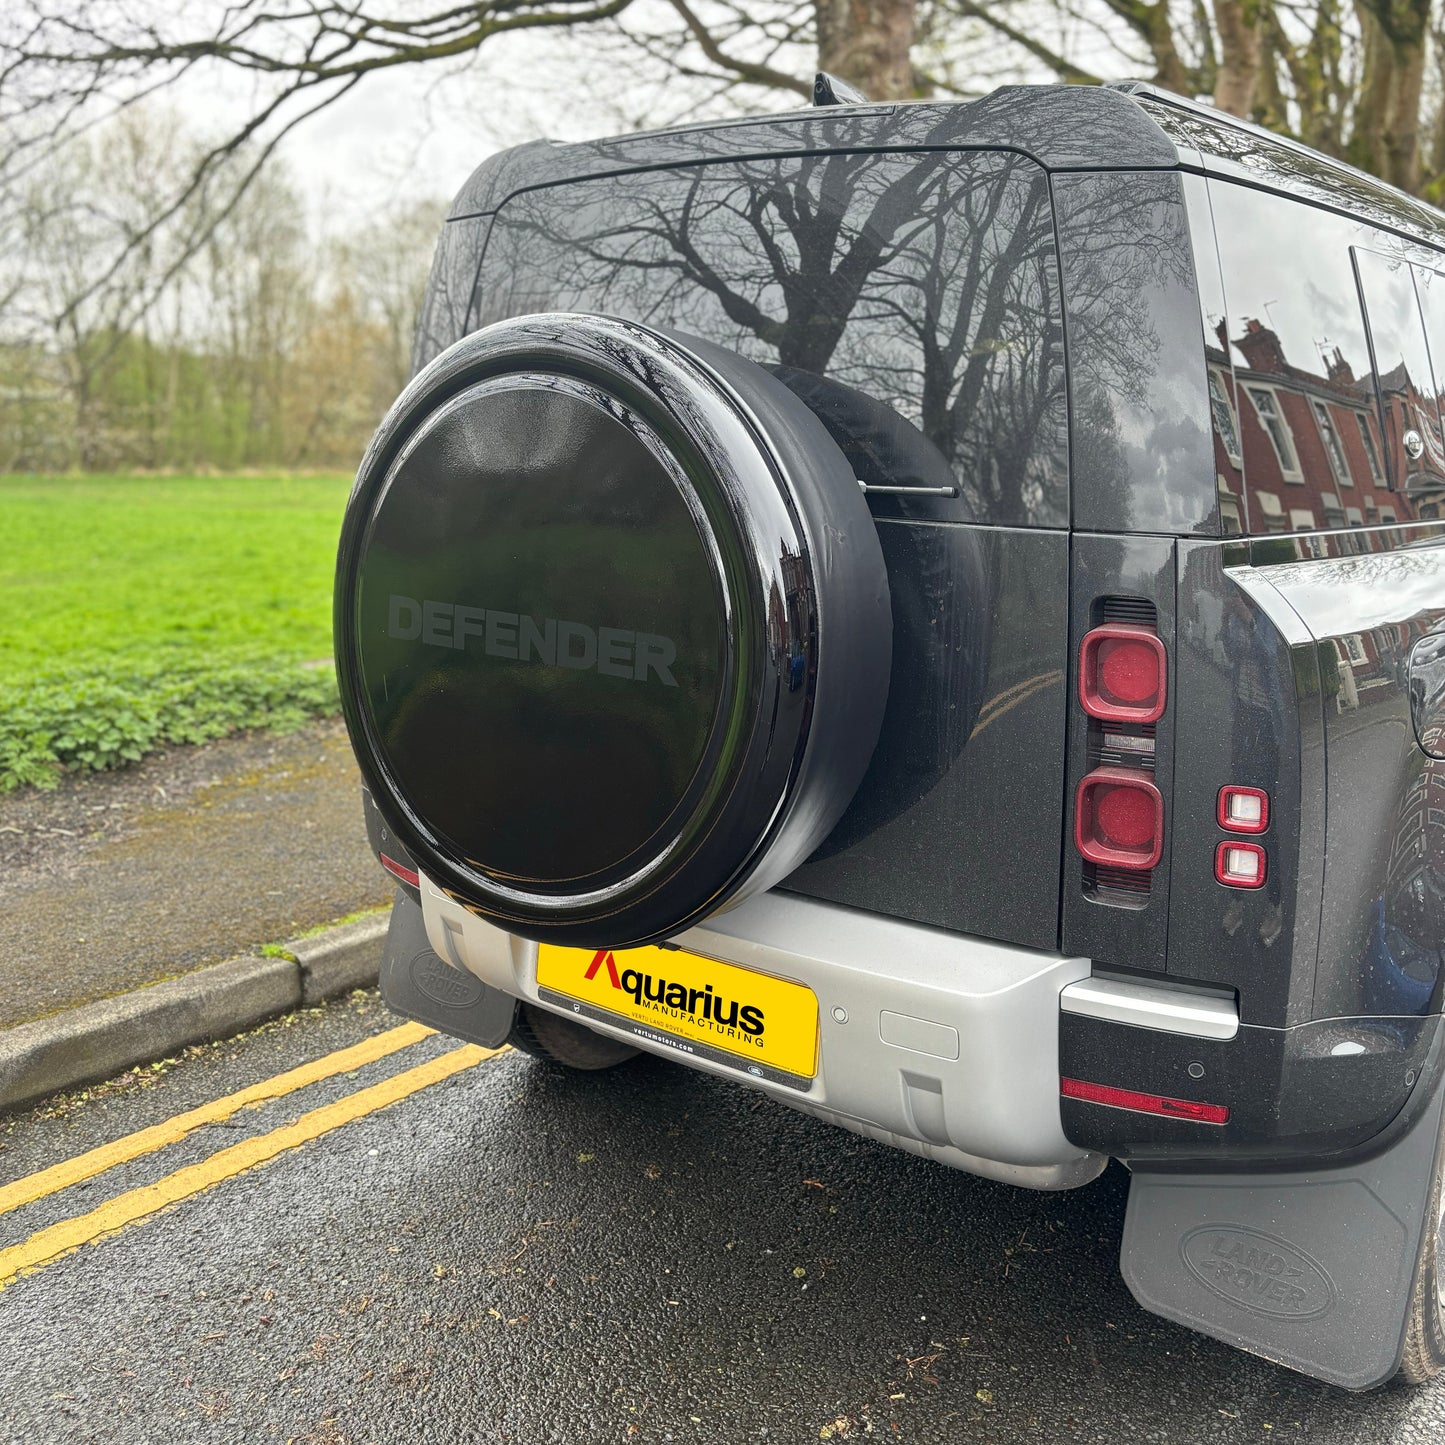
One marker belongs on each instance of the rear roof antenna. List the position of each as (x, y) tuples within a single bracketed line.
[(829, 90)]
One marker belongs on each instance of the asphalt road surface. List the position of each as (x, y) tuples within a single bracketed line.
[(424, 1242)]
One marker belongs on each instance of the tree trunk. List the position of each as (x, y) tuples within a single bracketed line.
[(1324, 88), (1268, 107), (1151, 21), (1402, 124), (1386, 135), (1435, 160), (1238, 24), (1169, 70), (1367, 133), (868, 44)]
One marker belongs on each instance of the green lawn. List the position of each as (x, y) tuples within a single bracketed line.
[(136, 611)]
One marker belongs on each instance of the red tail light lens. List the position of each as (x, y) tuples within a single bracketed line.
[(1119, 819), (1121, 674)]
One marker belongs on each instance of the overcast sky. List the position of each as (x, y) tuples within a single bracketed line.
[(419, 131)]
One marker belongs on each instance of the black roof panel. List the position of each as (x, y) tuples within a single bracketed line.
[(1131, 126), (1063, 127)]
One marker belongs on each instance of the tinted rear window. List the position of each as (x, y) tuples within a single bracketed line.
[(912, 300)]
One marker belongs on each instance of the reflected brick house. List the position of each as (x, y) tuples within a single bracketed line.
[(1311, 442), (1312, 447)]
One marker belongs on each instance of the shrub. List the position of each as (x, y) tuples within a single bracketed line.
[(89, 722)]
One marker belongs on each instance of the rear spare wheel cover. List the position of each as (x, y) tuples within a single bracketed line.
[(612, 627)]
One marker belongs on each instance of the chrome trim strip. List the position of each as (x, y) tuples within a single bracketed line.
[(1149, 1006)]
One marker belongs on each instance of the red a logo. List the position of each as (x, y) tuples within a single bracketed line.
[(604, 955)]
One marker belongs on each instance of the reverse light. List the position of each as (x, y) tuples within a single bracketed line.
[(1144, 1103), (1121, 673), (1119, 819), (1240, 865), (1243, 810)]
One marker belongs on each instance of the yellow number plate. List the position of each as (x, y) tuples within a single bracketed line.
[(717, 1008)]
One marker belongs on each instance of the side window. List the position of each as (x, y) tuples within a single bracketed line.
[(1414, 456), (1315, 445), (1224, 420), (1333, 450), (911, 300), (1430, 288), (1225, 398)]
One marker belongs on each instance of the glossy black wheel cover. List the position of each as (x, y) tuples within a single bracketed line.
[(612, 625)]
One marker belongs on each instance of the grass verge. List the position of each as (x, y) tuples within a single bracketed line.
[(136, 612)]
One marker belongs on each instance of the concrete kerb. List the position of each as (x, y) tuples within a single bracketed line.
[(99, 1040), (339, 959)]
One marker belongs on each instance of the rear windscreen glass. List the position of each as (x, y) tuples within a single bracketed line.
[(911, 300)]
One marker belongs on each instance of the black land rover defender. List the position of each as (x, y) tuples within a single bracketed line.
[(937, 612)]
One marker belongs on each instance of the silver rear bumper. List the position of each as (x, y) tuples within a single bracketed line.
[(934, 1042)]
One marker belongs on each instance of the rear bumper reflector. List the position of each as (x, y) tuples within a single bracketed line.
[(1187, 1109), (400, 870)]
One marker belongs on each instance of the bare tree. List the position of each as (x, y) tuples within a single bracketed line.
[(1356, 80), (266, 346), (1352, 79), (385, 266), (87, 260)]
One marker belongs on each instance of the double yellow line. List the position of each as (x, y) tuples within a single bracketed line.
[(59, 1239)]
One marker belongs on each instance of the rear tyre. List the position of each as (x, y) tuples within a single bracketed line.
[(560, 1041), (1425, 1333)]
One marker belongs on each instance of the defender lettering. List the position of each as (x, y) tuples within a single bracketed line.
[(612, 651)]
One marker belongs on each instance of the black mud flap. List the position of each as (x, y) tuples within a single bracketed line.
[(1312, 1270), (418, 985)]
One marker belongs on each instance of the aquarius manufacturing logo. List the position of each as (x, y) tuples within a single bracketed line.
[(611, 651), (677, 999)]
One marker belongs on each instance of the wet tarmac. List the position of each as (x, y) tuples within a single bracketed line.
[(512, 1253)]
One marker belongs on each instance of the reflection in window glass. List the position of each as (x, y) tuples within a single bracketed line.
[(1333, 450), (912, 301), (1269, 413), (1269, 509), (1230, 517), (1430, 289), (1402, 362), (1223, 414), (1406, 382), (1297, 340), (1367, 441)]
